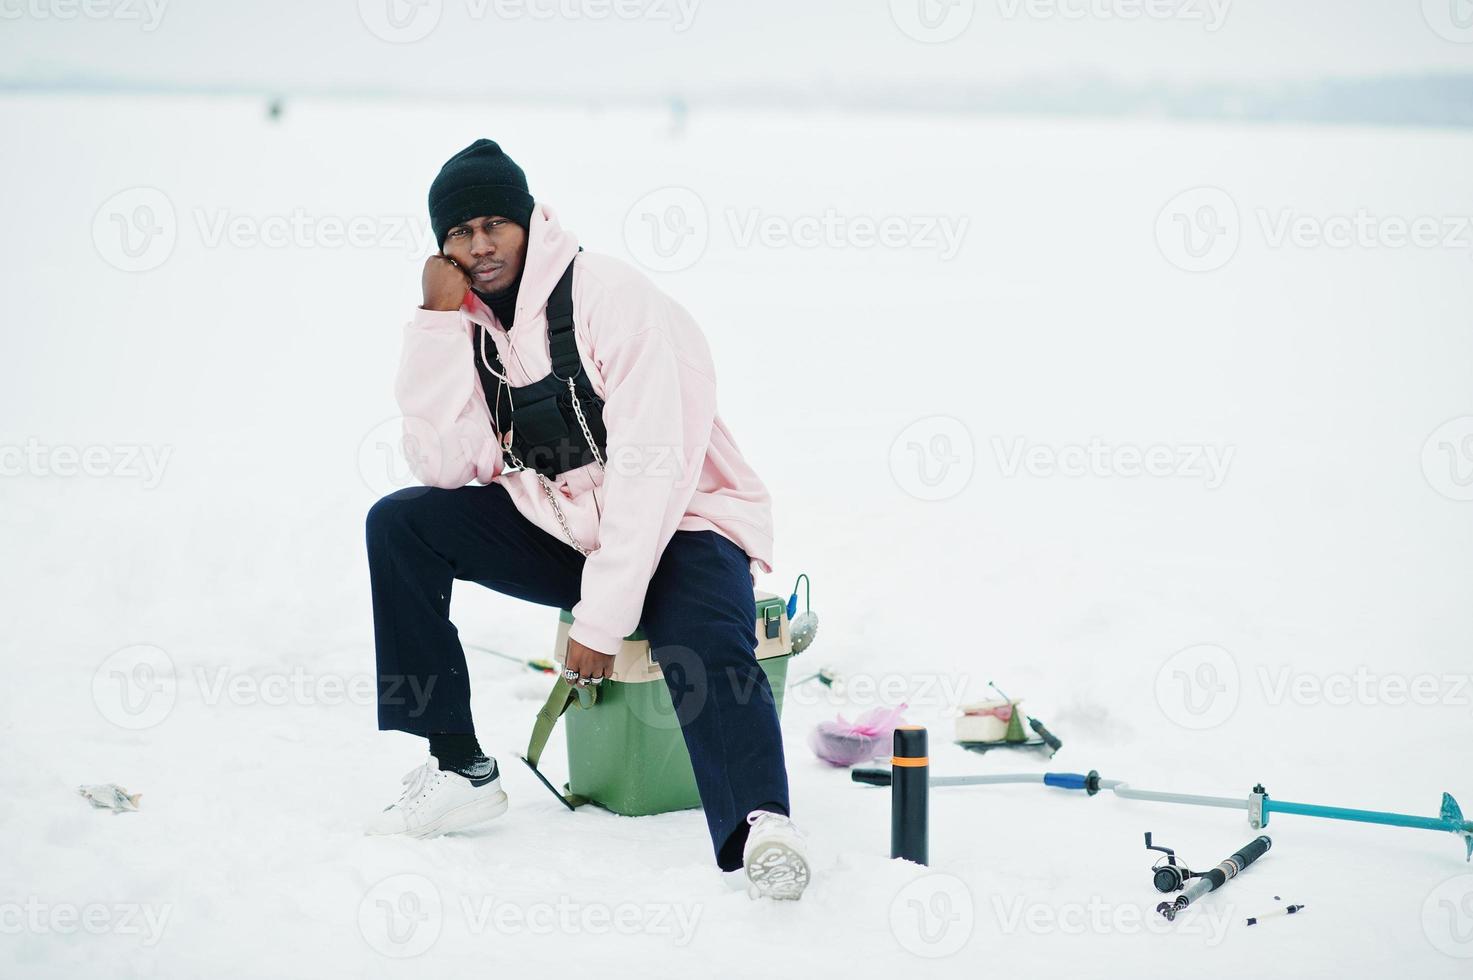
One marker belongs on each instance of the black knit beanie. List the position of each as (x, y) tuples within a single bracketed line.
[(479, 180)]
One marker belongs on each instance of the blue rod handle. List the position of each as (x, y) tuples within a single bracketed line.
[(1066, 780)]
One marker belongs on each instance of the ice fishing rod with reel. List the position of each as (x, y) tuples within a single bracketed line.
[(1167, 875), (1210, 881)]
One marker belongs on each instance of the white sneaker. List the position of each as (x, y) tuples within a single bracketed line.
[(435, 802), (775, 858)]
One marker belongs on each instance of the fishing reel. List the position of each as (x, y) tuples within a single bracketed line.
[(1166, 874)]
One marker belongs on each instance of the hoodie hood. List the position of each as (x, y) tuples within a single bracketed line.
[(550, 247)]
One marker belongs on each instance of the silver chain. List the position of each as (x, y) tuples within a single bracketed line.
[(551, 499), (583, 423), (542, 480)]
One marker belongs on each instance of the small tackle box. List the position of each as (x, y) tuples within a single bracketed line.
[(626, 751)]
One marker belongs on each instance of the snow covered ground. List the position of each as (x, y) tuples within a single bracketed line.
[(1167, 429)]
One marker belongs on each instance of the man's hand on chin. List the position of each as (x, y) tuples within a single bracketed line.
[(588, 662)]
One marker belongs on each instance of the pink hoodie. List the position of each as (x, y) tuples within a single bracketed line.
[(672, 464)]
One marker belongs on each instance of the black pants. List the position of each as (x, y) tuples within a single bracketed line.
[(698, 617)]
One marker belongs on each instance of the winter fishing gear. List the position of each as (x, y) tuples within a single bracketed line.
[(625, 740), (541, 666), (1217, 877), (909, 792), (827, 676), (1047, 737), (843, 743), (986, 725), (805, 624), (1166, 874), (110, 796), (1259, 804), (1253, 920)]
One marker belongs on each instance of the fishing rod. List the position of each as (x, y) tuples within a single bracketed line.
[(1259, 805), (1210, 881)]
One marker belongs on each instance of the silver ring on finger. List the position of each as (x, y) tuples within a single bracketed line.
[(570, 674)]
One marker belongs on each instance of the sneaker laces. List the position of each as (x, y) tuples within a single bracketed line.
[(778, 819), (415, 783)]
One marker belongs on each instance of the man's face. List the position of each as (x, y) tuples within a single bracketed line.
[(491, 250)]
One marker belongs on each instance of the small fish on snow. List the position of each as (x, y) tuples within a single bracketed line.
[(110, 796)]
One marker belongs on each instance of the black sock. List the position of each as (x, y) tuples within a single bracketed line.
[(459, 753)]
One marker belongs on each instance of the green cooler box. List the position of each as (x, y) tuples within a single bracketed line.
[(626, 753)]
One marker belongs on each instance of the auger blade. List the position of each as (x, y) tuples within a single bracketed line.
[(1453, 814)]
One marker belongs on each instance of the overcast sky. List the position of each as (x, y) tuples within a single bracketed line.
[(522, 48)]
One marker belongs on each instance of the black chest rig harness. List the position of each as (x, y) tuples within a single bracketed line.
[(555, 424)]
